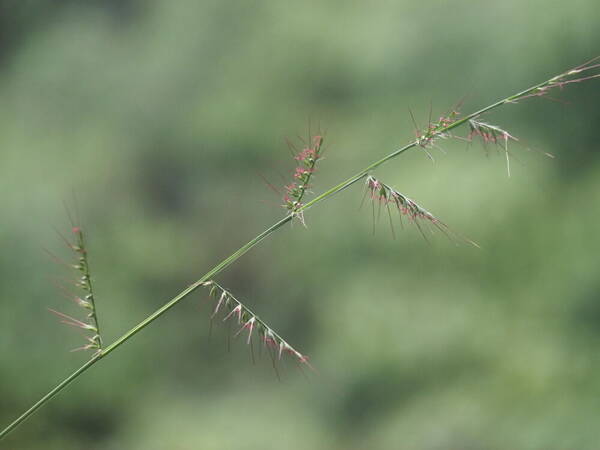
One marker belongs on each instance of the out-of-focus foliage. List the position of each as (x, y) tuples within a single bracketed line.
[(161, 117)]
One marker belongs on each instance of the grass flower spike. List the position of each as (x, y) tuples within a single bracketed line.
[(306, 166), (435, 130), (233, 308), (84, 295), (383, 194), (491, 134)]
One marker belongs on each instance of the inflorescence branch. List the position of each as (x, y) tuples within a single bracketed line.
[(228, 304), (84, 298)]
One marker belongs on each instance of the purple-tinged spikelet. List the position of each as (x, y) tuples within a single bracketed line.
[(435, 129), (306, 160), (491, 134)]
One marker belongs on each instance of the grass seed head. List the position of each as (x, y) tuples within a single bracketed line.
[(384, 195), (273, 342), (306, 162), (83, 295)]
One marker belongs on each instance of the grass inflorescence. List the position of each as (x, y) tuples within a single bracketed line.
[(491, 134), (296, 206), (83, 296), (306, 160), (385, 196), (233, 309)]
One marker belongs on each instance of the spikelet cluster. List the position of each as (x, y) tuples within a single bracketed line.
[(306, 161), (384, 195), (491, 134), (83, 295), (436, 129), (230, 308)]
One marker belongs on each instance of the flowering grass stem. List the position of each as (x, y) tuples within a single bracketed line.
[(435, 130)]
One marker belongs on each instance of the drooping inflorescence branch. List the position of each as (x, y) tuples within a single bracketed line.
[(385, 195), (232, 308), (491, 134)]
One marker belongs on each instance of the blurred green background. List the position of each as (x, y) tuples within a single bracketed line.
[(161, 118)]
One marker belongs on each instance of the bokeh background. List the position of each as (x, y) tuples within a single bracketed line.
[(159, 120)]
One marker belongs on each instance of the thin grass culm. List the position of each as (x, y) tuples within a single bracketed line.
[(297, 207)]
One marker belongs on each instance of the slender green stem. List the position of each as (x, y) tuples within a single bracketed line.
[(245, 248), (49, 395)]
